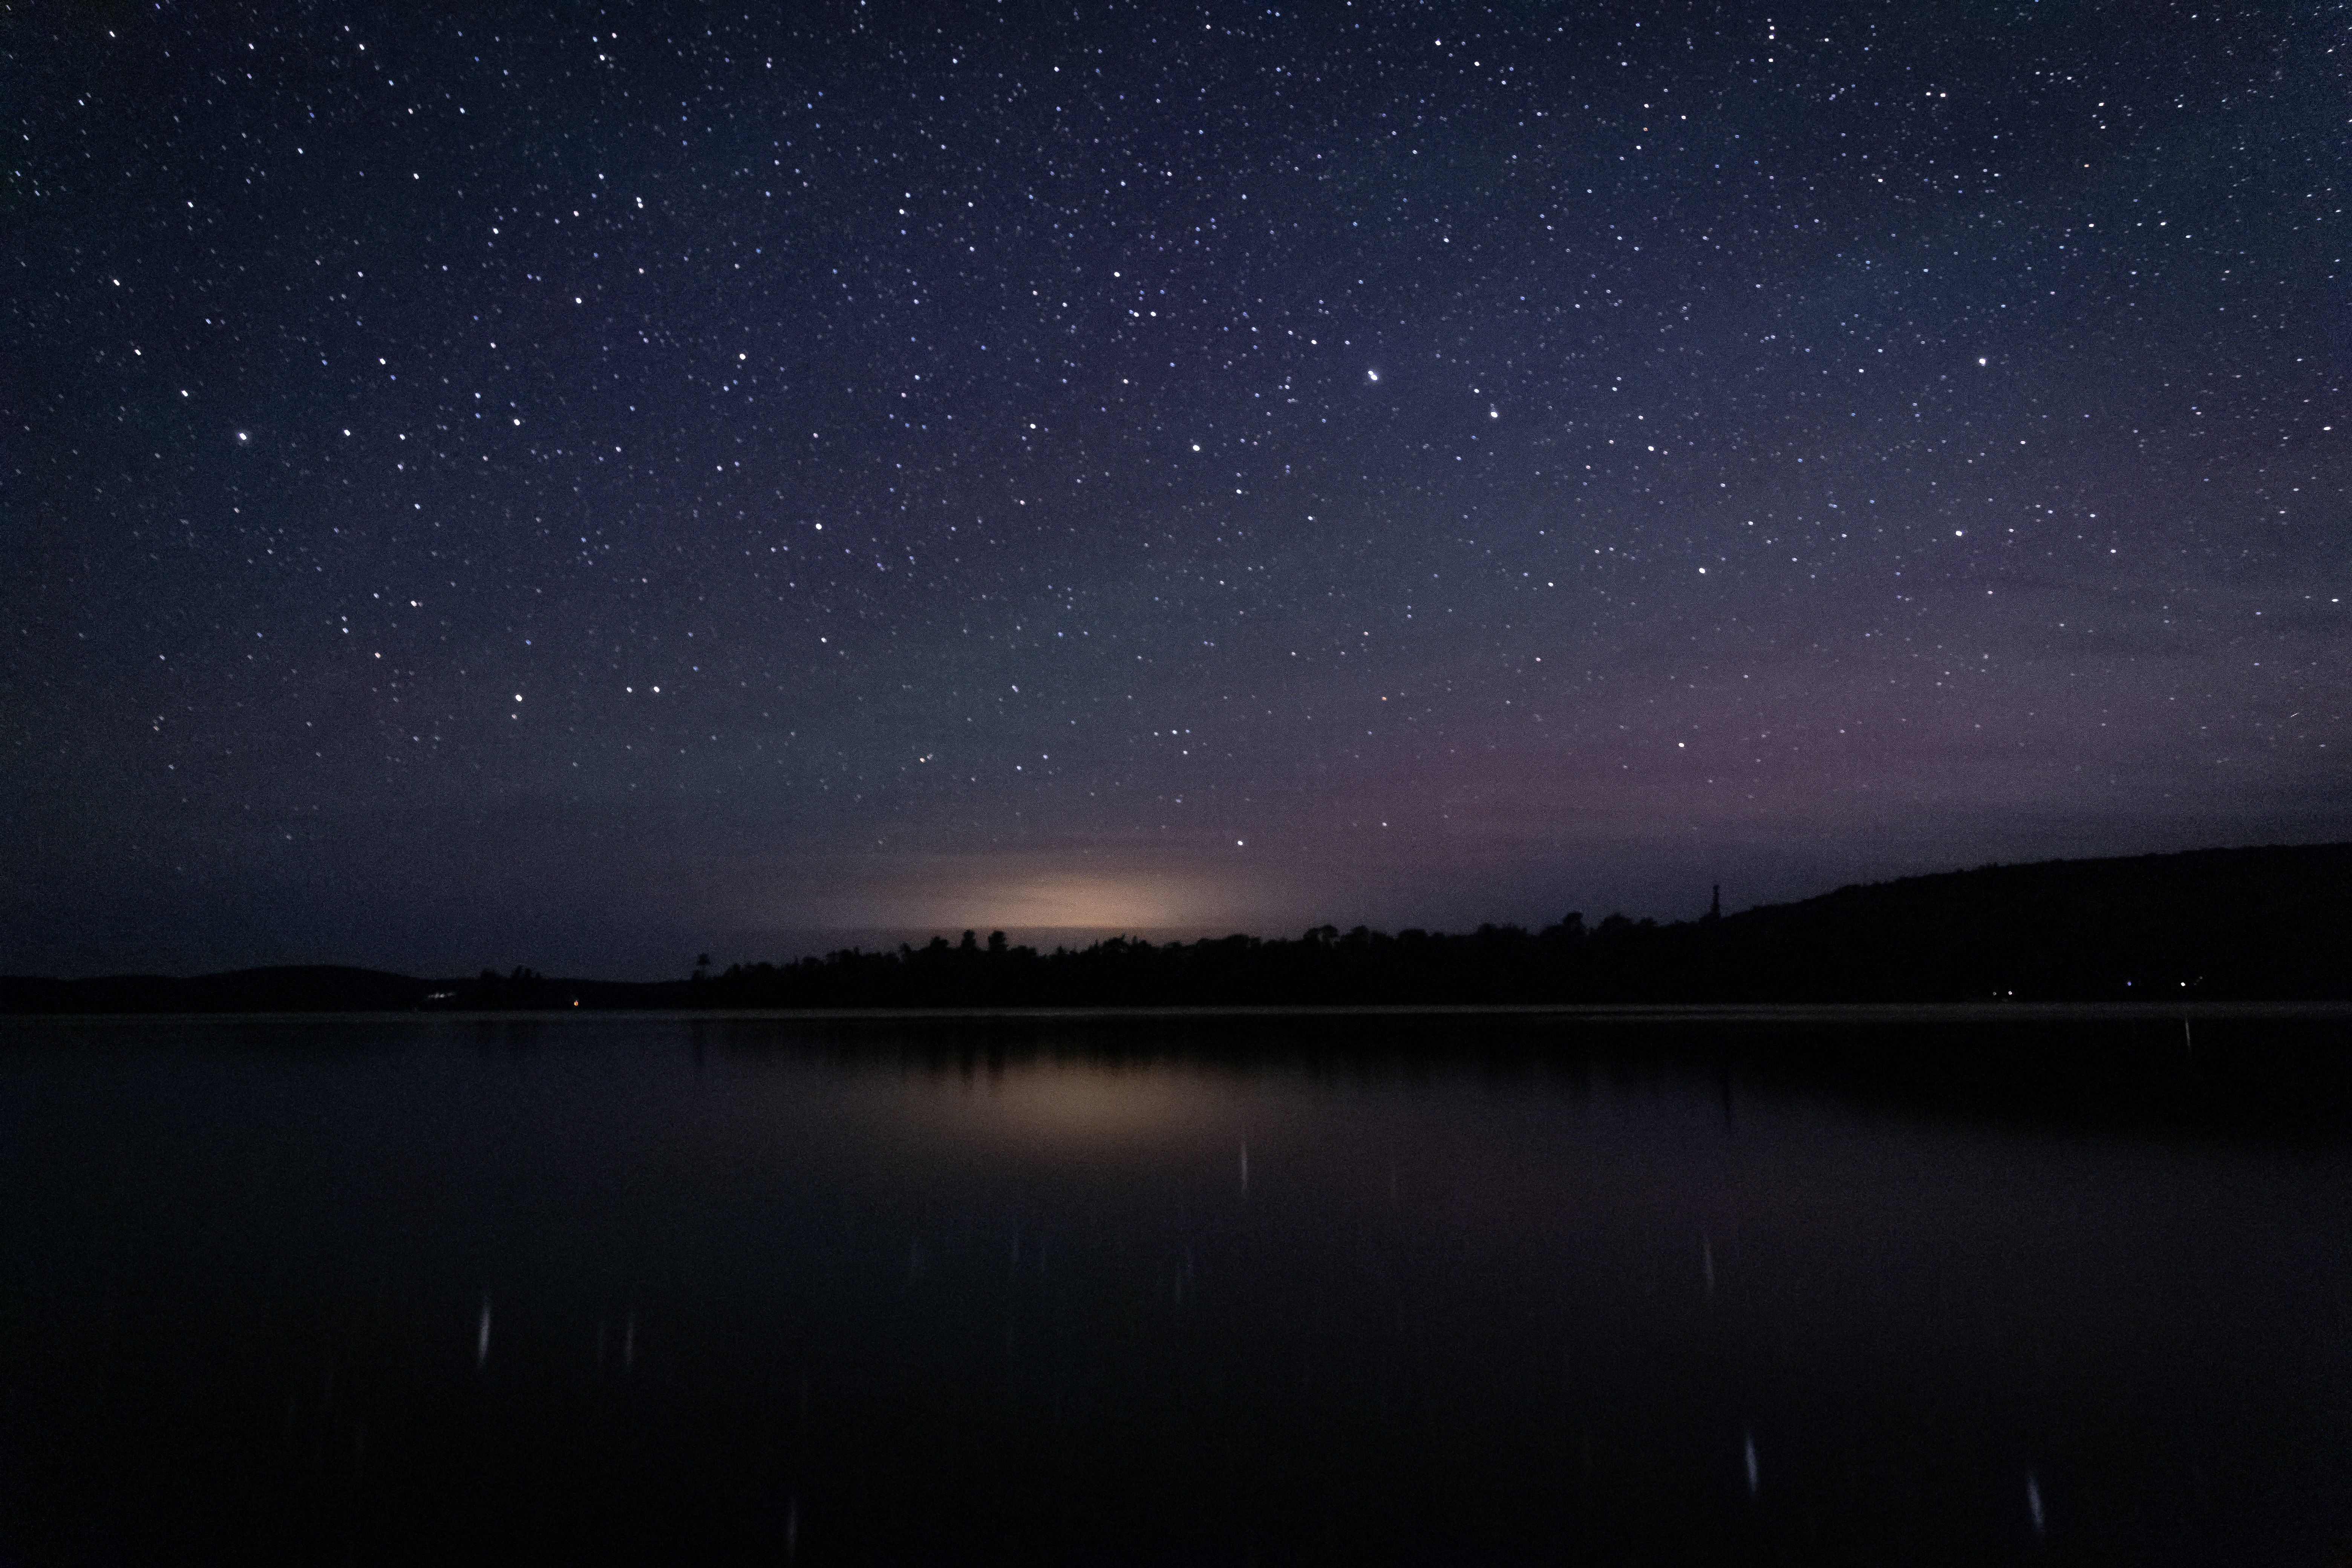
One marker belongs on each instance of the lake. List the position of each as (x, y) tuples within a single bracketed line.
[(1217, 1289)]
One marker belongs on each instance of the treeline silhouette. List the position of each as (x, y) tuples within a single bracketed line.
[(2270, 923)]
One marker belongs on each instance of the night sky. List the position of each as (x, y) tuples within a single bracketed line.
[(485, 487)]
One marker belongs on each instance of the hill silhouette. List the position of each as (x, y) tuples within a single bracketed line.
[(302, 988), (2254, 924)]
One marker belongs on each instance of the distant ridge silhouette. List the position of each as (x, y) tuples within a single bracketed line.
[(2254, 924)]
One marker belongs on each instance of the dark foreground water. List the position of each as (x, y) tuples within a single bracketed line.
[(716, 1290)]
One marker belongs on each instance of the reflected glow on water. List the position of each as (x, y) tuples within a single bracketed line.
[(1051, 1107)]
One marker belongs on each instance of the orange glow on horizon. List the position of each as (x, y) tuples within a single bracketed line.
[(981, 896)]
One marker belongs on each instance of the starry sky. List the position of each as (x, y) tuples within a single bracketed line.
[(582, 485)]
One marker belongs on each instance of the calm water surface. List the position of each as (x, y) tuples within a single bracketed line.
[(631, 1289)]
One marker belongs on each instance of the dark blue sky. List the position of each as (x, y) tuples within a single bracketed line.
[(580, 486)]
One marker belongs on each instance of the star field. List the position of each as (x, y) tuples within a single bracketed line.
[(488, 486)]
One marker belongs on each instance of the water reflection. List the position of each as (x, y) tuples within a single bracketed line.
[(1059, 1106), (1063, 1292)]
